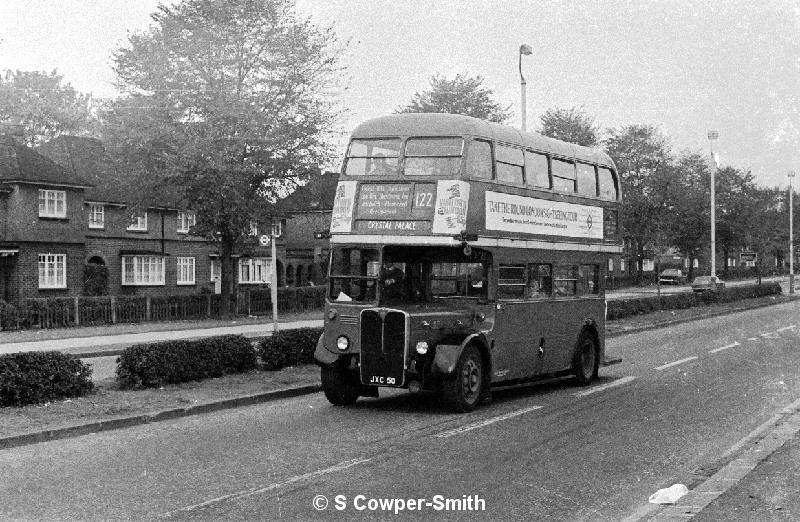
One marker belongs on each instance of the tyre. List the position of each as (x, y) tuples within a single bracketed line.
[(464, 390), (586, 360), (340, 388)]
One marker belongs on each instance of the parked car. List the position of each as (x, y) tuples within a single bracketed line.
[(705, 283), (672, 276)]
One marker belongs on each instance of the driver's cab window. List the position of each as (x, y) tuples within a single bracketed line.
[(354, 274)]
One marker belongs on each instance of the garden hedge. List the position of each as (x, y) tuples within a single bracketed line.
[(172, 362), (619, 309), (289, 348), (36, 377)]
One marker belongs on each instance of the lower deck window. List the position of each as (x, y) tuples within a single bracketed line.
[(511, 282), (142, 270)]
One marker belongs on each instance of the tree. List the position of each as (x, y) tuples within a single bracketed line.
[(461, 95), (688, 220), (735, 210), (44, 105), (572, 125), (226, 103), (642, 155)]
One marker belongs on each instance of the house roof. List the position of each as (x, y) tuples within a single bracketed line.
[(22, 164), (316, 195), (87, 157)]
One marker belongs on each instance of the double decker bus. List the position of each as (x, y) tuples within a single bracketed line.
[(465, 255)]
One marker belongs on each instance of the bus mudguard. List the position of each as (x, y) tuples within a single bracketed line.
[(444, 362), (323, 356)]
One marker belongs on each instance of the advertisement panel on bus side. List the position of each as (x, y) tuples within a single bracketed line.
[(520, 214)]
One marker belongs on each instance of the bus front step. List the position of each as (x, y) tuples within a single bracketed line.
[(611, 360)]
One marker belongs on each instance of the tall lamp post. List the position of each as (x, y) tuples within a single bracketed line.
[(526, 50), (791, 233), (712, 136)]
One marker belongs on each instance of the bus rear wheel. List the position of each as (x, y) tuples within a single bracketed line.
[(586, 362), (463, 391), (340, 388)]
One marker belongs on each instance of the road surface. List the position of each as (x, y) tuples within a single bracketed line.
[(668, 413)]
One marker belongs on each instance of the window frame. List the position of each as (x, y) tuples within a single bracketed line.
[(138, 223), (532, 182), (45, 282), (94, 223), (579, 185), (504, 158), (45, 201), (139, 262), (467, 156), (264, 264), (517, 282), (186, 220), (182, 263)]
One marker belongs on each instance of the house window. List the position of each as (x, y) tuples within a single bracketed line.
[(138, 223), (186, 220), (185, 271), (254, 270), (97, 216), (142, 270), (52, 203), (52, 271), (253, 229)]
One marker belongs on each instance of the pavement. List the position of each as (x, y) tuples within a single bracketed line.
[(758, 479)]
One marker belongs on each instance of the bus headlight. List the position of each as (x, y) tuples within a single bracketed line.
[(422, 347), (332, 314), (342, 343)]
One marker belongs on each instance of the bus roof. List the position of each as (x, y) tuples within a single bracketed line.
[(440, 124)]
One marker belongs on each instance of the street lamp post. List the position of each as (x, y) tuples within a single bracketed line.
[(713, 135), (791, 233), (526, 50)]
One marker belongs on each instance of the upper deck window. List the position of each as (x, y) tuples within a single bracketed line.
[(433, 156), (608, 185), (479, 159), (536, 170), (509, 164), (372, 157), (587, 181), (563, 176)]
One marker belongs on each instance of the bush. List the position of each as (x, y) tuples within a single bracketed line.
[(172, 362), (35, 377), (619, 309), (289, 348), (9, 317)]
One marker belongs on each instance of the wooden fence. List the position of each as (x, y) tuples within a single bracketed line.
[(60, 312)]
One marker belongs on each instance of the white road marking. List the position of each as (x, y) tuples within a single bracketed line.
[(257, 490), (618, 382), (715, 350), (770, 335), (752, 338), (792, 327), (675, 363), (487, 422)]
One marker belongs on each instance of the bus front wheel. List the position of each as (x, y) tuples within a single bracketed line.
[(463, 390), (339, 386), (585, 363)]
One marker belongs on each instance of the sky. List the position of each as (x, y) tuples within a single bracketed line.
[(684, 66)]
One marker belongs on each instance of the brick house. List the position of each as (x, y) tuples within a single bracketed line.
[(308, 210), (61, 214)]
